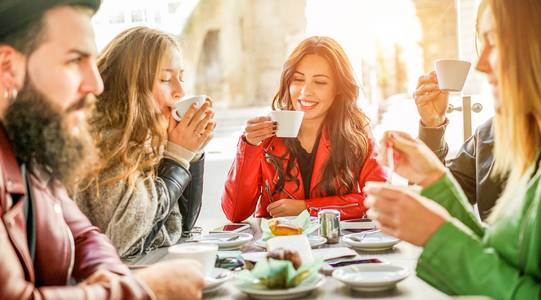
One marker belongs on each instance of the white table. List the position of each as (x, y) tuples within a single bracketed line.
[(404, 254)]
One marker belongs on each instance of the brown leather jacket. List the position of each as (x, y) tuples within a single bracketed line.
[(65, 248)]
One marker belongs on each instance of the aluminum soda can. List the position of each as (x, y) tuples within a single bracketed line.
[(329, 225)]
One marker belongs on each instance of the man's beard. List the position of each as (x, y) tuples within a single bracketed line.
[(40, 136)]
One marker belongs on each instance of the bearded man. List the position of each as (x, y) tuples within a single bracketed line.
[(48, 248)]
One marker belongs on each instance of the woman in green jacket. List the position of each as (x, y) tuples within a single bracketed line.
[(462, 256)]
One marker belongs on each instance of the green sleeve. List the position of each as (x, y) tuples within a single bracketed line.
[(456, 261), (447, 193)]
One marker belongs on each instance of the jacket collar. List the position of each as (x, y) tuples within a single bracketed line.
[(277, 147), (11, 173)]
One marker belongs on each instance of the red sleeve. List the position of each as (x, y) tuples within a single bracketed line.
[(242, 187), (350, 206)]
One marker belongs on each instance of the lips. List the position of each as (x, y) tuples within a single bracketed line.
[(306, 104)]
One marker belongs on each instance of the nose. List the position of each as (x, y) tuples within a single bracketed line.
[(92, 82), (306, 89), (178, 90), (482, 63)]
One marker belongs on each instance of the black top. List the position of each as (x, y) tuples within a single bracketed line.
[(306, 165)]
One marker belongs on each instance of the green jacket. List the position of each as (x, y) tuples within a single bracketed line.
[(502, 261)]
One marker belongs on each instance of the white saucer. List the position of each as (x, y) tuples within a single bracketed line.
[(371, 277), (314, 240), (218, 277), (303, 289), (372, 242), (220, 239)]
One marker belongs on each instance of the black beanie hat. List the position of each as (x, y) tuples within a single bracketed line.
[(17, 13)]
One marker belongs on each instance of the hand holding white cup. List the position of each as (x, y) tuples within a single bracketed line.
[(289, 122), (178, 109)]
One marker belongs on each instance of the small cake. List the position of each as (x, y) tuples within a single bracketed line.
[(285, 254), (283, 227)]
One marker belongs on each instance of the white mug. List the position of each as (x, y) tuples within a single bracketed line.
[(205, 254), (451, 74), (289, 122), (179, 108)]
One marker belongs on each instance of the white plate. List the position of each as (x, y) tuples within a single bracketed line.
[(314, 240), (371, 277), (218, 277), (372, 242), (220, 239), (303, 289)]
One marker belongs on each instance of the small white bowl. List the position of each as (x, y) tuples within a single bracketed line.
[(371, 277)]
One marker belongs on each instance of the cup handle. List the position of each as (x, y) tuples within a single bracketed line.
[(175, 115)]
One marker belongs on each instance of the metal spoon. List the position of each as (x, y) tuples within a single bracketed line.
[(363, 235), (228, 239)]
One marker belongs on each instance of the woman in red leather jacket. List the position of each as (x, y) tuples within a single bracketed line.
[(328, 163)]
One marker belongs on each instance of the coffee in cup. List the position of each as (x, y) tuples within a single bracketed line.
[(289, 122), (205, 254), (179, 108), (451, 74)]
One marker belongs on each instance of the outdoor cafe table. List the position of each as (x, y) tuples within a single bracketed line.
[(403, 254)]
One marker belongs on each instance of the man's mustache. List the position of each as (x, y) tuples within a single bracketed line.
[(84, 102)]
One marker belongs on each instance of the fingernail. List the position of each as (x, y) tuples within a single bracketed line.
[(275, 123)]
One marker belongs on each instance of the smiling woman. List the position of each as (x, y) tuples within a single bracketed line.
[(330, 160)]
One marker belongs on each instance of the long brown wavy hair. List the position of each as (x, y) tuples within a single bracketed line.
[(129, 127), (346, 125)]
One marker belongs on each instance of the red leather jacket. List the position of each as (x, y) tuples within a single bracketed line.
[(67, 246), (250, 171)]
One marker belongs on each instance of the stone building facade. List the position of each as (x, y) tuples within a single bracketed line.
[(234, 49)]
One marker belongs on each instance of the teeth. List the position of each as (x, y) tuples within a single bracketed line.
[(305, 103)]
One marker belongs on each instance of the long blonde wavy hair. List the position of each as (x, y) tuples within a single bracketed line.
[(128, 125), (517, 27)]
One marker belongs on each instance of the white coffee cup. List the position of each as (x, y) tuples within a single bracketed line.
[(203, 253), (289, 122), (451, 74), (179, 108)]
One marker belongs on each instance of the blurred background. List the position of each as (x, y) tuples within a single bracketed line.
[(233, 51)]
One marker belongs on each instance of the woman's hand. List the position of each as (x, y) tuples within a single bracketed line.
[(403, 213), (286, 207), (430, 100), (195, 129), (413, 160), (258, 129)]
